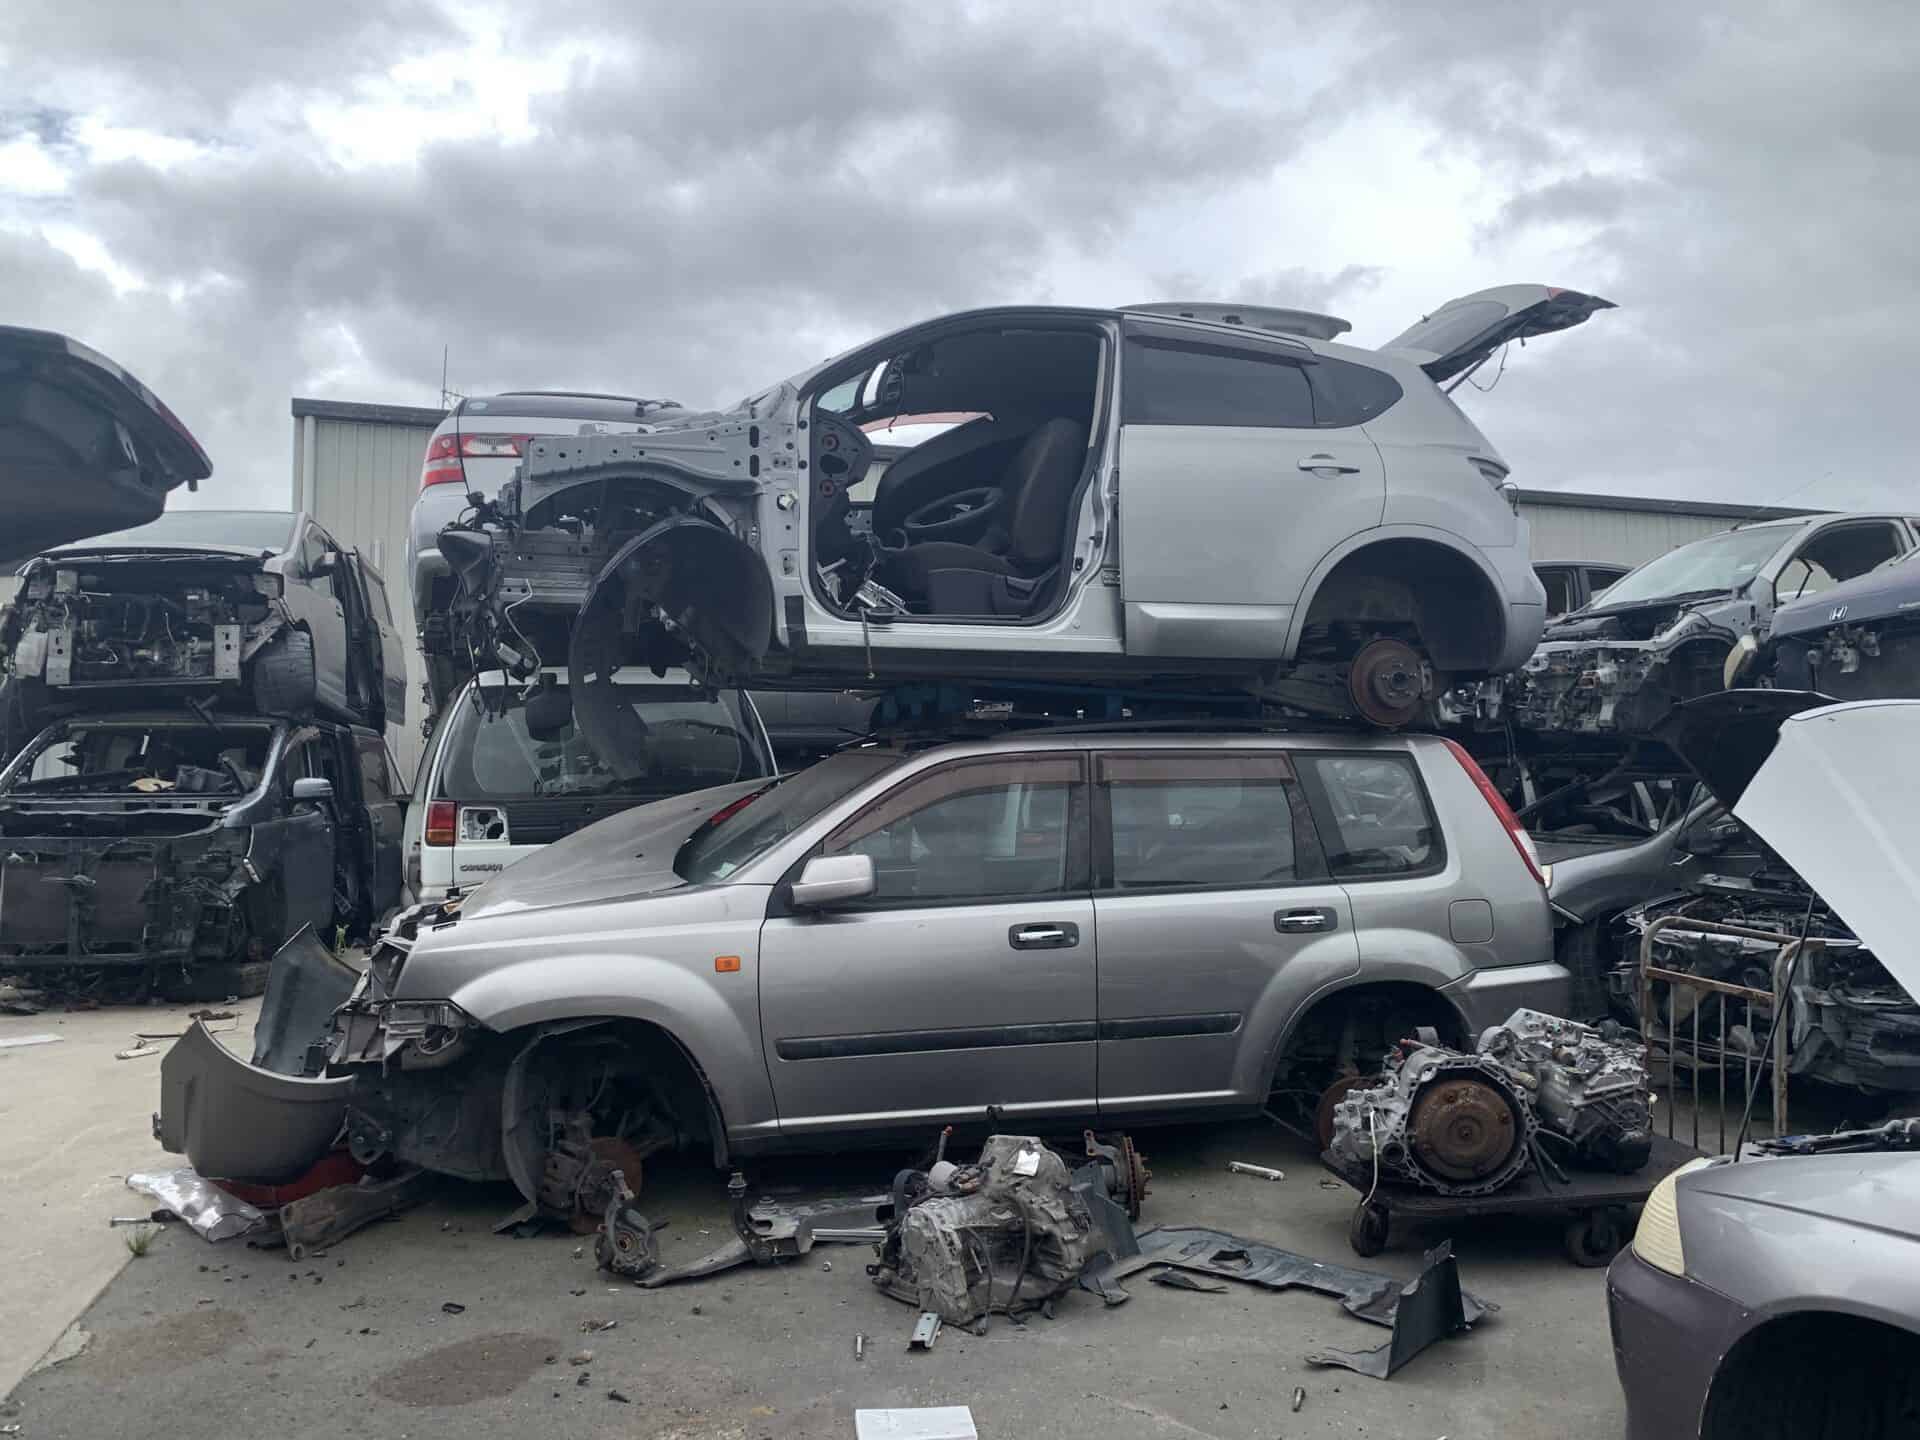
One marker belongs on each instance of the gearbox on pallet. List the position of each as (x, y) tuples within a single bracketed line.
[(1469, 1124)]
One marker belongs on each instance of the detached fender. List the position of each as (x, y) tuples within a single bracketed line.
[(721, 1038)]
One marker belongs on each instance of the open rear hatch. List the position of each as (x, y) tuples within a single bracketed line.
[(84, 446), (1462, 333)]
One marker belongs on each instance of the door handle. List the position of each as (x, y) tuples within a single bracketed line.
[(1327, 462), (1063, 936), (1303, 922)]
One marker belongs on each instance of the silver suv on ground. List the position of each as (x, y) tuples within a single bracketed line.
[(1172, 494), (1075, 926)]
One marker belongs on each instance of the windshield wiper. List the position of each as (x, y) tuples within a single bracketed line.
[(1679, 598)]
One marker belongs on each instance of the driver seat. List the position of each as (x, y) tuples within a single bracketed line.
[(1006, 573)]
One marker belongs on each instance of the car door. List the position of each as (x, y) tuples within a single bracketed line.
[(385, 815), (307, 839), (1215, 919), (966, 980), (1234, 482), (310, 596)]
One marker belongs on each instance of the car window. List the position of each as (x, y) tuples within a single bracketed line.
[(375, 778), (1559, 585), (1190, 820), (377, 597), (1837, 554), (984, 830), (1377, 814), (1720, 562), (748, 827), (1173, 383)]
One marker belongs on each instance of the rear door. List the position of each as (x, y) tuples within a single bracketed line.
[(310, 594), (1215, 917), (307, 837), (966, 980), (1242, 463)]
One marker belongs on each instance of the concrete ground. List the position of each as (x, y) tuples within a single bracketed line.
[(73, 1122), (218, 1341)]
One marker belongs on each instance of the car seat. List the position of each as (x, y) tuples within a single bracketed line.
[(1006, 572)]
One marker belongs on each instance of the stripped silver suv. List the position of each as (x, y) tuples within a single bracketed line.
[(1196, 494), (1068, 926)]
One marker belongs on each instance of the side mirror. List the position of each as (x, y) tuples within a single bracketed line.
[(832, 879), (313, 787)]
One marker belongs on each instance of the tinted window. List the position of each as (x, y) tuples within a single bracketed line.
[(1559, 585), (377, 596), (1835, 555), (1186, 384), (375, 779), (1183, 383), (746, 829), (985, 831), (691, 742), (1200, 820), (1377, 814)]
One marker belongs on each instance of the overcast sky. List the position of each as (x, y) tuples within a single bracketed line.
[(693, 200)]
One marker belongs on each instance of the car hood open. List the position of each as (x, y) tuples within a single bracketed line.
[(1828, 788), (84, 446), (620, 857)]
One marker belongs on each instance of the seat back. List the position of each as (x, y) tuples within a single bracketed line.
[(1041, 481), (960, 459)]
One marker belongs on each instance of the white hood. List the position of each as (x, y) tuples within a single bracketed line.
[(1839, 799)]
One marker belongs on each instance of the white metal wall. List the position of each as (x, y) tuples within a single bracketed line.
[(1622, 537), (359, 479)]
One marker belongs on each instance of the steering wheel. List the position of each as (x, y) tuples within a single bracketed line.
[(961, 516)]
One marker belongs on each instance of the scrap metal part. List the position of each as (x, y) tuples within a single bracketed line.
[(306, 984), (1429, 1307), (625, 1244), (315, 1222), (1589, 1085)]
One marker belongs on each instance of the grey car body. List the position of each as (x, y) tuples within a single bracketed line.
[(154, 847), (1173, 495), (249, 609), (84, 446), (1254, 902), (1774, 1297), (1859, 640), (1684, 624)]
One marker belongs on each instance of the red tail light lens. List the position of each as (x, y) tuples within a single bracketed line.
[(441, 818), (1510, 822), (442, 465), (492, 447)]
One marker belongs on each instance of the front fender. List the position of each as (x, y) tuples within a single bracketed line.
[(722, 1038)]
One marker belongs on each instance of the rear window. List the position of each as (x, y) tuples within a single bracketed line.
[(692, 743), (1168, 382), (1374, 818), (1200, 820)]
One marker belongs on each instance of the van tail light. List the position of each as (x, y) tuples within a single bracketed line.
[(447, 455), (1509, 821), (441, 819)]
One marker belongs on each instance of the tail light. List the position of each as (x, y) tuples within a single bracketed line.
[(447, 455), (1509, 821), (733, 807), (441, 818)]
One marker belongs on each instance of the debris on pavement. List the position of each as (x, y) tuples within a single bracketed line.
[(1259, 1172), (860, 1347), (1299, 1397), (139, 1049), (21, 1042), (211, 1211), (926, 1330), (317, 1220), (935, 1422), (452, 1307), (1430, 1307)]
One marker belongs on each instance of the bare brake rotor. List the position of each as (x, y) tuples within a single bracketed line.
[(1463, 1129), (1389, 682)]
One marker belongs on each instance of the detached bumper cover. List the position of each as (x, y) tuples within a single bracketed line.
[(236, 1121), (1669, 1333)]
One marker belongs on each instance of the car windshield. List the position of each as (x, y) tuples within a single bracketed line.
[(259, 530), (135, 759), (692, 742), (1719, 562), (717, 850)]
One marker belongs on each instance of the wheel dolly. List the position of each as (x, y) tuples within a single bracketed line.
[(1594, 1202)]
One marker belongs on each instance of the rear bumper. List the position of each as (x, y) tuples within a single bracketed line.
[(1669, 1333), (1487, 997)]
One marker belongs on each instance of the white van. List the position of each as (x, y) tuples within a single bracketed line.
[(489, 792)]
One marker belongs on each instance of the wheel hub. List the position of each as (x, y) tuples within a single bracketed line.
[(1389, 681)]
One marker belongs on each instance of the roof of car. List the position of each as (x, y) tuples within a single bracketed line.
[(1119, 736), (563, 405)]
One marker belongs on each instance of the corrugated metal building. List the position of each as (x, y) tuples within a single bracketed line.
[(357, 467)]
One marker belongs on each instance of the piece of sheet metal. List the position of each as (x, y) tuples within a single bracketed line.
[(236, 1121), (1429, 1307), (211, 1211), (305, 984), (333, 1214)]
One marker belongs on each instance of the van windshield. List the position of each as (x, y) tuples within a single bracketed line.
[(692, 742)]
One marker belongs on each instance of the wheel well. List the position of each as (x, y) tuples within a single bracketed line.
[(1815, 1374), (1438, 591), (1350, 1030), (655, 1051)]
